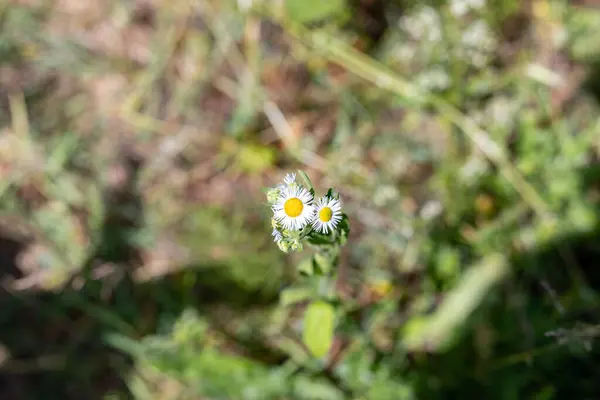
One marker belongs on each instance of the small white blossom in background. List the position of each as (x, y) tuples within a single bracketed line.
[(460, 8), (244, 5), (435, 78), (473, 169), (478, 34), (431, 210), (477, 43), (385, 194), (407, 231), (404, 51), (424, 24), (502, 111)]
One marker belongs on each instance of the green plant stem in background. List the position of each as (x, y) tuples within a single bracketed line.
[(437, 331)]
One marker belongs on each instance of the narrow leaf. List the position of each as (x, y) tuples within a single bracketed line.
[(306, 180), (294, 295), (306, 11)]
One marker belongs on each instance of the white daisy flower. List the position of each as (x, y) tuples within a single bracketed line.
[(294, 209), (289, 179), (277, 236), (328, 213)]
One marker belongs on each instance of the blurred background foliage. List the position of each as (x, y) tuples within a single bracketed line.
[(137, 136)]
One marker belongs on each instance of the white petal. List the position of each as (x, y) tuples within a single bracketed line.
[(289, 179)]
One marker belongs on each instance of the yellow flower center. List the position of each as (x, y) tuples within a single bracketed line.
[(293, 207), (325, 214)]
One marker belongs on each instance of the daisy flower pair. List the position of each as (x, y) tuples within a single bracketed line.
[(294, 208)]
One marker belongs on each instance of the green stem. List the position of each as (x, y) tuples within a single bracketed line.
[(306, 233)]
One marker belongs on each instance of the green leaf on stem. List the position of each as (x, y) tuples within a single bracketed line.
[(333, 194), (323, 263), (307, 181), (306, 267), (307, 11), (319, 239), (344, 229), (295, 295), (319, 325)]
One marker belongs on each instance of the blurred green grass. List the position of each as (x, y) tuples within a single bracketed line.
[(136, 138)]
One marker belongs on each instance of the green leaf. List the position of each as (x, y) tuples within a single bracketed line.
[(319, 324), (309, 388), (345, 224), (306, 11), (332, 193), (323, 263), (306, 267), (355, 369), (344, 229), (437, 331), (319, 239), (307, 181), (124, 344), (387, 389), (448, 262), (63, 150), (294, 295)]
